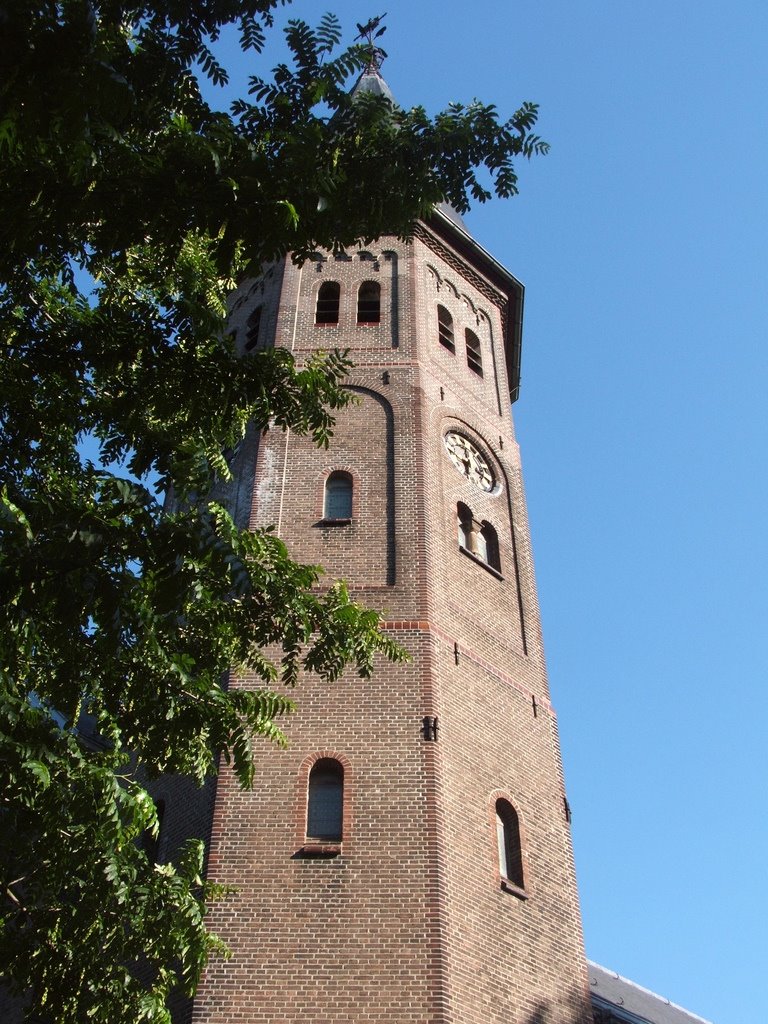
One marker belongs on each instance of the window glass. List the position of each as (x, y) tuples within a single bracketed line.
[(327, 311), (490, 543), (338, 496), (369, 303), (508, 842), (325, 801)]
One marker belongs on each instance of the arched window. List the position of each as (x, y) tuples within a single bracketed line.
[(328, 296), (252, 327), (490, 543), (474, 356), (479, 539), (325, 801), (464, 520), (369, 303), (508, 844), (445, 328), (338, 496)]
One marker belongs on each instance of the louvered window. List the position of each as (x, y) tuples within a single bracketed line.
[(445, 328), (474, 355)]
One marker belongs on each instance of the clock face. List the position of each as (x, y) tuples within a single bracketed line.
[(468, 460)]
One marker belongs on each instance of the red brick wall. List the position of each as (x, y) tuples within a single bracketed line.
[(409, 921)]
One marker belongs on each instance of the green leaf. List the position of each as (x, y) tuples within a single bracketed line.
[(40, 772)]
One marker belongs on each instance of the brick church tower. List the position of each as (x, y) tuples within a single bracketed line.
[(408, 858)]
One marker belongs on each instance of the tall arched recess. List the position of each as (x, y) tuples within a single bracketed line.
[(384, 458)]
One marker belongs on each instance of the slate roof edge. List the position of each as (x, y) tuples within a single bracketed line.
[(646, 991)]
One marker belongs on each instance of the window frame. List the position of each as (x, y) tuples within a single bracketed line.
[(323, 770), (339, 476), (328, 310), (491, 543), (478, 540), (445, 332), (308, 847), (510, 855), (474, 352), (367, 305)]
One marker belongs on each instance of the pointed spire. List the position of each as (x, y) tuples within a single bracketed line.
[(372, 81)]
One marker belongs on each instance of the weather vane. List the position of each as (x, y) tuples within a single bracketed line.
[(367, 34)]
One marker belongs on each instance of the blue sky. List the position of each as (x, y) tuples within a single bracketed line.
[(642, 240)]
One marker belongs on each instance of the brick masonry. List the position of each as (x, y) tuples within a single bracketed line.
[(408, 922)]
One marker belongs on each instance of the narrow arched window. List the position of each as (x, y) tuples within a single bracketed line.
[(328, 297), (445, 328), (490, 543), (464, 520), (252, 328), (369, 303), (338, 496), (474, 356), (325, 801), (508, 844)]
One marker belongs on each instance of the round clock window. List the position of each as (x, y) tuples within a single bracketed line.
[(470, 462)]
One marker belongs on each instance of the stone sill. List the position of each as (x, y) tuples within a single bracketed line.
[(513, 889), (479, 561), (335, 522), (320, 850)]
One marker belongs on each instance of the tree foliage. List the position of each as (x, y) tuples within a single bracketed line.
[(130, 208)]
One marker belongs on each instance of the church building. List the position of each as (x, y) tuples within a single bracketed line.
[(408, 857)]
